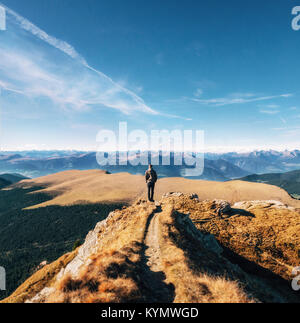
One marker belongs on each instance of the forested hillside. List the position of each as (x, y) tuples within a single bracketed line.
[(29, 237)]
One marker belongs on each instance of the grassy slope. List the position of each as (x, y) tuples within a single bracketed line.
[(148, 253), (66, 208), (28, 237), (120, 272), (288, 181), (4, 182), (13, 178), (94, 186)]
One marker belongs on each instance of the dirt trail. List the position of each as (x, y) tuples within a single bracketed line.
[(158, 289), (152, 245)]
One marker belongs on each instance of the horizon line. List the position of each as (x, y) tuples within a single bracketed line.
[(215, 151)]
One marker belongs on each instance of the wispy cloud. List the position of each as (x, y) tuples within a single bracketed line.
[(39, 65), (283, 120), (292, 132), (270, 106), (241, 99), (237, 95), (269, 111), (198, 93), (288, 131), (57, 43)]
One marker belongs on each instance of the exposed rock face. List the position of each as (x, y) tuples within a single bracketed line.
[(41, 296), (182, 250), (194, 196), (174, 194), (221, 206), (90, 247), (248, 205)]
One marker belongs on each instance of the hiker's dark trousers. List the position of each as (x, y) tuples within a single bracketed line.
[(150, 191)]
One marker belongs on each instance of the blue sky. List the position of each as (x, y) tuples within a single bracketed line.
[(69, 68)]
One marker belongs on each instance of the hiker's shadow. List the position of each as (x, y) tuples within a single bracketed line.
[(153, 282), (238, 212), (154, 285), (226, 215)]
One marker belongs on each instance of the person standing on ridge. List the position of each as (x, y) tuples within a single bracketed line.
[(151, 179)]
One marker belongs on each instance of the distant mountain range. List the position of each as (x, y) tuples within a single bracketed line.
[(35, 165), (260, 162), (218, 167), (289, 181)]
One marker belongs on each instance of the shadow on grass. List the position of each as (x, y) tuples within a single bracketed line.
[(261, 283), (28, 237), (154, 286)]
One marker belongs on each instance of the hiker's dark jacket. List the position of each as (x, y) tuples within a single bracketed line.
[(151, 176)]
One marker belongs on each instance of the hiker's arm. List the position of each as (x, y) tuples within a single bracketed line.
[(146, 176)]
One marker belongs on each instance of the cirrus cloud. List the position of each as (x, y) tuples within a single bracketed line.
[(35, 64)]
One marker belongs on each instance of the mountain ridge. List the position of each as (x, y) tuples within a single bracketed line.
[(218, 166), (36, 166), (66, 205), (95, 186), (162, 253)]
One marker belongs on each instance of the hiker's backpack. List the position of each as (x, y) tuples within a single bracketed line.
[(152, 176)]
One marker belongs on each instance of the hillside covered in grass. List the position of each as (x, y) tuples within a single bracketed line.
[(31, 236), (288, 181), (13, 178), (8, 179), (178, 250), (96, 186), (45, 219)]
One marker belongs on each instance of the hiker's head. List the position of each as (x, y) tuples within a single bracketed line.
[(150, 166)]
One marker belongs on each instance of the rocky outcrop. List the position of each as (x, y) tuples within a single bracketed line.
[(248, 205), (90, 247)]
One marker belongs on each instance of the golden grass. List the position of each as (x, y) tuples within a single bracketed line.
[(151, 253), (95, 186), (193, 286), (117, 274), (106, 279), (45, 277), (113, 273), (270, 237)]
